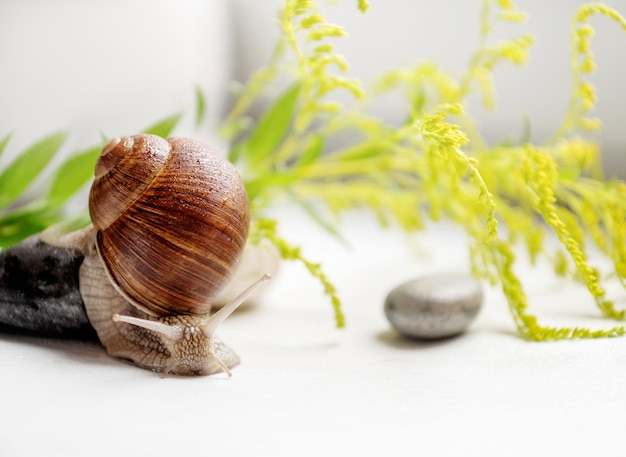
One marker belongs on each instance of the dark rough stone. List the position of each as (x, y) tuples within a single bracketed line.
[(39, 290)]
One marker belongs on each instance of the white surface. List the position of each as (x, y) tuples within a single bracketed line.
[(305, 388)]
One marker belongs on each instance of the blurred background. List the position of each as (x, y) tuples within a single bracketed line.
[(116, 66)]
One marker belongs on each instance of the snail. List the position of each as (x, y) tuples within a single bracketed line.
[(170, 220)]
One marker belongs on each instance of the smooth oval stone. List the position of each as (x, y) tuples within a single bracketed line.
[(434, 307)]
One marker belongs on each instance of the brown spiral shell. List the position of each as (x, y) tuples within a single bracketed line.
[(172, 219)]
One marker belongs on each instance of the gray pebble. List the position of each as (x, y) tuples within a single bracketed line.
[(434, 307)]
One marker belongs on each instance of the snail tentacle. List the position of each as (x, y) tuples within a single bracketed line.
[(173, 332), (222, 365), (220, 316)]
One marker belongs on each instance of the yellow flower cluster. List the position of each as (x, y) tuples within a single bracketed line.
[(583, 98)]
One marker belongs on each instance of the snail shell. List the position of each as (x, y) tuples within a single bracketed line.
[(170, 221)]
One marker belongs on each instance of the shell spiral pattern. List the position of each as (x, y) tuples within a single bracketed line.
[(172, 219)]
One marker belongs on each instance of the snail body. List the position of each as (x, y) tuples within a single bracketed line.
[(169, 223)]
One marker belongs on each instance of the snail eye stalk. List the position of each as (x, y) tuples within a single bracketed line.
[(220, 316), (173, 332)]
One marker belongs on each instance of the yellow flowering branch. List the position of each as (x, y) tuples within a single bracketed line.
[(583, 98), (436, 163)]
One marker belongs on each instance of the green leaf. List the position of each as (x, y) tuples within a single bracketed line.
[(260, 186), (200, 106), (73, 175), (317, 217), (29, 164), (235, 152), (272, 126), (164, 127), (26, 221), (240, 126), (361, 151), (3, 143), (312, 151), (77, 222)]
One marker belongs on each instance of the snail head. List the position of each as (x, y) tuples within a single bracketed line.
[(190, 339)]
